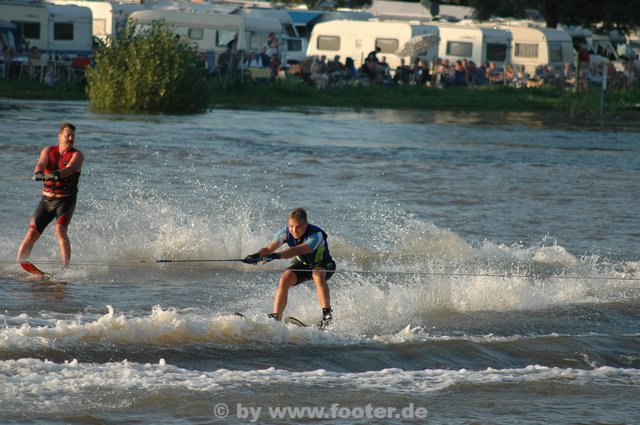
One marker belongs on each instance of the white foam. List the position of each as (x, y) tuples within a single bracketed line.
[(55, 387)]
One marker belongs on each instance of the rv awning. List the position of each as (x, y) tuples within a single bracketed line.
[(303, 17), (418, 45)]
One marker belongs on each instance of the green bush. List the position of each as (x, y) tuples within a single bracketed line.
[(148, 71)]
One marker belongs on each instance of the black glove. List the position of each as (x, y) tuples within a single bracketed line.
[(269, 257), (38, 176), (55, 176), (252, 259)]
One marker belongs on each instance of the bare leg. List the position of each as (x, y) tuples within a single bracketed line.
[(287, 280), (64, 243), (27, 244), (319, 277)]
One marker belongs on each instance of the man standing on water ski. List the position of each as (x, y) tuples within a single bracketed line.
[(59, 168), (308, 244)]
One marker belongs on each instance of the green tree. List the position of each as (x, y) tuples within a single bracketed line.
[(148, 71)]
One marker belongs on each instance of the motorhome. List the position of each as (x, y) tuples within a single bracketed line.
[(64, 30), (355, 39), (477, 44), (212, 32), (109, 18), (535, 46)]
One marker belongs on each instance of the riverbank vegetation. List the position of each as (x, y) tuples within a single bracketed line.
[(292, 93), (152, 71)]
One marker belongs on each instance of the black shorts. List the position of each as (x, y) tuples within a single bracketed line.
[(303, 271), (49, 208)]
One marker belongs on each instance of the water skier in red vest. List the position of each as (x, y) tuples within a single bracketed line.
[(59, 168)]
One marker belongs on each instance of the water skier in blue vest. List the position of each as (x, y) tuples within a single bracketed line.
[(312, 261)]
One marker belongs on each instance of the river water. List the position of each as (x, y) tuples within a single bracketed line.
[(487, 269)]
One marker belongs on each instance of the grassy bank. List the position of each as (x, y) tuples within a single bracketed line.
[(296, 94)]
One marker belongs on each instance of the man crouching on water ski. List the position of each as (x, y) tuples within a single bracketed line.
[(59, 168), (308, 244)]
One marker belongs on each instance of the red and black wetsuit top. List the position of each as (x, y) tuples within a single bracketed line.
[(67, 185)]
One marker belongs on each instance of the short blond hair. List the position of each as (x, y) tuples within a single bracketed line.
[(298, 214)]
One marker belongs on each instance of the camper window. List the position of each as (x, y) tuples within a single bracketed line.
[(460, 49), (30, 30), (196, 33), (62, 31), (555, 52), (224, 37), (526, 50), (328, 42), (387, 45), (294, 44), (496, 52), (100, 27)]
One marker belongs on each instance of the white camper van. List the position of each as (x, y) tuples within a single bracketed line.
[(212, 32), (109, 18), (473, 43), (533, 46), (52, 28), (355, 39)]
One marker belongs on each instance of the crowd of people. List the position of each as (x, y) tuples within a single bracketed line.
[(322, 72)]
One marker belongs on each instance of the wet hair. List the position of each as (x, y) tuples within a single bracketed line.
[(298, 214), (66, 125)]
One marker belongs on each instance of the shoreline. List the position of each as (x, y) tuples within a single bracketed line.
[(623, 104)]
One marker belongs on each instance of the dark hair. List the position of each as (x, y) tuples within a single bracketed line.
[(298, 214), (66, 125)]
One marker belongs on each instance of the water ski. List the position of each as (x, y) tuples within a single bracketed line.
[(293, 321), (29, 267)]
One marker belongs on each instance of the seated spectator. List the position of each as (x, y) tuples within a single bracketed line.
[(383, 70), (336, 70), (351, 73), (459, 75), (403, 73), (509, 76), (253, 61), (319, 74), (34, 53), (493, 74), (264, 56), (481, 75), (472, 69)]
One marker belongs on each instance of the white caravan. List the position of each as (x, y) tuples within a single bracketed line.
[(212, 32), (535, 46), (109, 18), (355, 39), (54, 29), (477, 44)]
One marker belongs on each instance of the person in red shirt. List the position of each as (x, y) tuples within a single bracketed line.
[(59, 168)]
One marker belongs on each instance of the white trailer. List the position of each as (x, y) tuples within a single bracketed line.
[(355, 39), (109, 18), (533, 46), (212, 32), (477, 44), (64, 30)]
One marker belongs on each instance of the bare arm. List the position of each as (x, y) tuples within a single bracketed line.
[(42, 160)]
